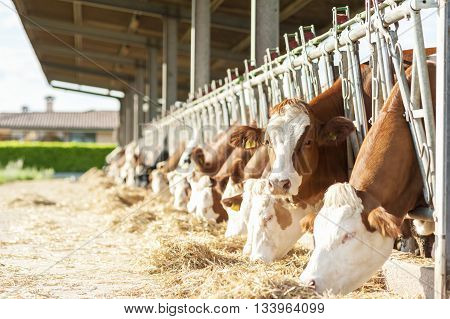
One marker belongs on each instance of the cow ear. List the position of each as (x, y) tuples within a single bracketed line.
[(247, 137), (198, 157), (234, 201), (335, 131), (221, 182), (307, 222), (237, 171), (387, 224)]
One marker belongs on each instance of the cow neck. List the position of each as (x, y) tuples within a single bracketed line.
[(218, 207), (331, 168), (386, 172)]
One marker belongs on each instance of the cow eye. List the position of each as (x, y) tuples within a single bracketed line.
[(267, 142), (308, 142), (347, 237)]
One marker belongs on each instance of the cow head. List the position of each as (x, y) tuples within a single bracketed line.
[(158, 180), (179, 188), (294, 137), (273, 229), (351, 242)]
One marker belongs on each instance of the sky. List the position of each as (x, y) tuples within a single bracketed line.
[(22, 81)]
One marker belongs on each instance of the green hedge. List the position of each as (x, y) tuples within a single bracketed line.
[(61, 156)]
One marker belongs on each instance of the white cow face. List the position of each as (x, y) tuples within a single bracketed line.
[(346, 254), (273, 228), (159, 181), (283, 133), (235, 224), (201, 200), (179, 188)]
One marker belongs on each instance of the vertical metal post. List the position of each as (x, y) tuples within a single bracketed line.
[(140, 92), (200, 44), (265, 16), (442, 204), (152, 75), (135, 107), (128, 117), (121, 137), (169, 65)]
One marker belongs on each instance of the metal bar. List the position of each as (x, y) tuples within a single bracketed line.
[(329, 45), (442, 202)]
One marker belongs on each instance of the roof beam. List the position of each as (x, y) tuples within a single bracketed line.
[(285, 14), (100, 34), (292, 8), (151, 8), (90, 71), (111, 85), (78, 20), (89, 56)]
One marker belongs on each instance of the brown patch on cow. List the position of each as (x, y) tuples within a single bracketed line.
[(217, 206), (386, 172), (247, 137), (237, 171), (173, 160), (380, 220), (307, 222), (220, 183), (284, 217), (295, 102), (335, 131), (198, 156), (257, 164)]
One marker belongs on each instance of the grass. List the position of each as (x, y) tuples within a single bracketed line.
[(14, 171)]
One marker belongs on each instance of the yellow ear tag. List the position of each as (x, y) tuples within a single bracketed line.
[(235, 207), (250, 144), (333, 136)]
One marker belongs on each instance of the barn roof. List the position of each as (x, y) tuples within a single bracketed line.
[(101, 42), (92, 120)]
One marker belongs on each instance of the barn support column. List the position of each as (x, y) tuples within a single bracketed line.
[(152, 85), (121, 132), (200, 44), (128, 102), (442, 205), (139, 93), (265, 26), (169, 65)]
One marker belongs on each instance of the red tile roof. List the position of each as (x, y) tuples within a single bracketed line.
[(92, 120)]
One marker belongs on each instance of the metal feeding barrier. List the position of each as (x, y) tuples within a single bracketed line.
[(308, 67)]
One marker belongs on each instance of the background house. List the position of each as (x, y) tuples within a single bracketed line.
[(91, 126)]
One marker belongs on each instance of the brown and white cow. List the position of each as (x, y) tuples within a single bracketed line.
[(355, 230), (237, 185), (306, 142), (207, 191), (306, 150)]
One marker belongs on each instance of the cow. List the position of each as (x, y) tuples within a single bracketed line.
[(355, 230), (233, 193), (306, 142), (206, 199), (158, 180), (306, 146), (158, 177)]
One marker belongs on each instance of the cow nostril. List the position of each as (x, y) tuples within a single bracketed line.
[(312, 284), (286, 184)]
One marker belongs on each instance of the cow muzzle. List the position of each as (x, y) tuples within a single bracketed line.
[(279, 187)]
